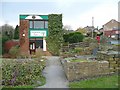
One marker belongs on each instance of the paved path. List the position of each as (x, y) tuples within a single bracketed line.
[(55, 76)]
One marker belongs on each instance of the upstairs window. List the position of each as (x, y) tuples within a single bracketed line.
[(46, 24), (38, 24), (31, 24)]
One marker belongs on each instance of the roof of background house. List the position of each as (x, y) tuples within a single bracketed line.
[(111, 21)]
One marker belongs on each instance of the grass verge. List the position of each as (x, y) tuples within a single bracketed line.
[(101, 82)]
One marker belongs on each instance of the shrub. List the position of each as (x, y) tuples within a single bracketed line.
[(22, 72), (14, 51), (73, 37), (78, 50), (39, 53), (23, 55), (90, 40)]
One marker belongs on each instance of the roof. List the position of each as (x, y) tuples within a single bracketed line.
[(30, 16), (111, 21)]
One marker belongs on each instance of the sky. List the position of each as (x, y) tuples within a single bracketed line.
[(76, 13)]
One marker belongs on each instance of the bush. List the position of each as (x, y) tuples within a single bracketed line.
[(55, 37), (73, 37), (78, 50), (90, 40), (22, 72), (39, 53), (14, 51)]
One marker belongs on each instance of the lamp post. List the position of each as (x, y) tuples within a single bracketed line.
[(92, 25)]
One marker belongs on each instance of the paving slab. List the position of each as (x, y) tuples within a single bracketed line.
[(54, 73)]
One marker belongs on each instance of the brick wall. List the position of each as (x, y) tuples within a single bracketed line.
[(111, 32), (81, 70), (24, 40)]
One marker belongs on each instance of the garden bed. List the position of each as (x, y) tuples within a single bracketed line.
[(22, 73), (76, 69)]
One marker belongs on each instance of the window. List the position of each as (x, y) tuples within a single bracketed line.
[(46, 24), (38, 24), (31, 24)]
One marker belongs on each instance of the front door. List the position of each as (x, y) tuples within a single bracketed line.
[(32, 47)]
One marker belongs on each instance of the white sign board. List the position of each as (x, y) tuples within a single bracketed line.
[(34, 33)]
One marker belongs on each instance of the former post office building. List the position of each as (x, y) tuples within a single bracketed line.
[(33, 32)]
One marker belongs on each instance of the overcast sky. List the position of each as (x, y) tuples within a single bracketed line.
[(76, 13)]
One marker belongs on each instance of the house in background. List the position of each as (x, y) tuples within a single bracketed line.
[(89, 28), (111, 28)]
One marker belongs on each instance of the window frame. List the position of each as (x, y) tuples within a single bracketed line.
[(37, 20)]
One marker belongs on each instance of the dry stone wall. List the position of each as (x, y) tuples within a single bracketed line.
[(112, 57), (80, 70)]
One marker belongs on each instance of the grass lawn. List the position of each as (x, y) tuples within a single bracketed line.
[(18, 88), (101, 82)]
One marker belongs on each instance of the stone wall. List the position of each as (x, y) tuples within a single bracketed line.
[(74, 45), (80, 70), (112, 57)]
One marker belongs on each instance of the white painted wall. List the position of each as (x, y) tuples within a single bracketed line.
[(44, 44)]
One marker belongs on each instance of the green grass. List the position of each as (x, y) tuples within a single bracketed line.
[(79, 60), (27, 87), (101, 82)]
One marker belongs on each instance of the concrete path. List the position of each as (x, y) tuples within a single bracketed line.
[(55, 76)]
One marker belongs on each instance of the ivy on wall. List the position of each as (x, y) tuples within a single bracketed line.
[(55, 33)]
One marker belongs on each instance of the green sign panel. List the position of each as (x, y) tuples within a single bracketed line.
[(33, 33)]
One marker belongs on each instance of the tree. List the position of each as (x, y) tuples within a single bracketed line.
[(7, 34), (82, 31), (8, 31), (16, 33), (67, 29)]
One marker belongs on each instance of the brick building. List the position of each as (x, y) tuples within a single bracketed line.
[(33, 32), (111, 28)]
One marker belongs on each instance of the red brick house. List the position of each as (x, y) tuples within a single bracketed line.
[(111, 28)]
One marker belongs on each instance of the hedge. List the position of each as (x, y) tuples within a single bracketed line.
[(74, 37), (55, 33)]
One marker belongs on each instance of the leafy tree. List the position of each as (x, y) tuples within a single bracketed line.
[(67, 29), (7, 34), (7, 30), (16, 33), (81, 30)]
